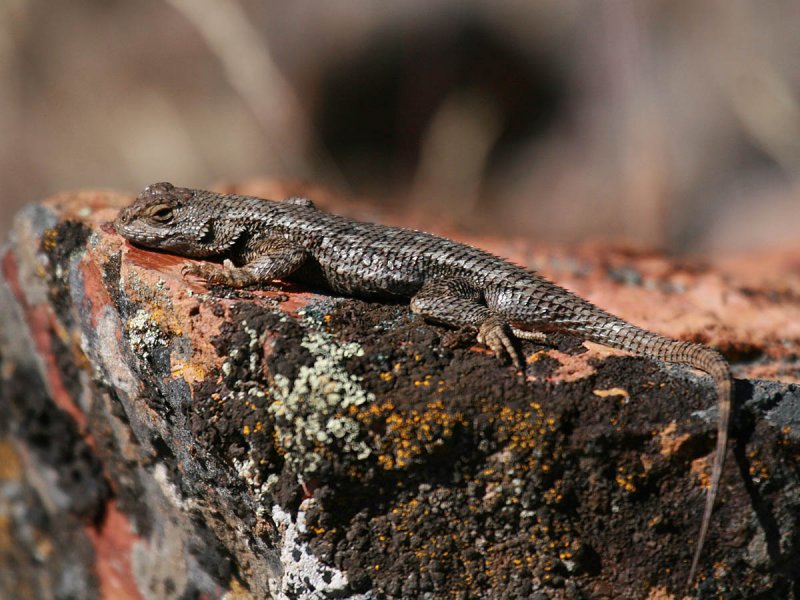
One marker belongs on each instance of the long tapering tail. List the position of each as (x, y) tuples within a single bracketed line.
[(583, 318), (724, 391), (623, 335)]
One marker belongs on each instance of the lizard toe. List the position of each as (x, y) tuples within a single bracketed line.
[(206, 273), (495, 333)]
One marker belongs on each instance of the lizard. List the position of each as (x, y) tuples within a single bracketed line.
[(447, 282)]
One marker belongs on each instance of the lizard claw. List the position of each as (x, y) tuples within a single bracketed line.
[(495, 333), (227, 275), (206, 273)]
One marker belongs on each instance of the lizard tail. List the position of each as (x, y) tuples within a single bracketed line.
[(629, 337), (612, 331), (554, 309), (724, 392)]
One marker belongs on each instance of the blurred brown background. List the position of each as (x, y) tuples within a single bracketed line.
[(668, 124)]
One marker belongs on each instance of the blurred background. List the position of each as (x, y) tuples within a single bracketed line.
[(672, 125)]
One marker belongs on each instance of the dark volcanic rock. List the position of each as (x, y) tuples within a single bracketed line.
[(161, 440)]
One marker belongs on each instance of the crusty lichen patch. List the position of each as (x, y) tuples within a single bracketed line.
[(490, 529), (312, 411), (154, 321), (144, 333), (286, 405), (412, 434), (469, 491), (155, 298)]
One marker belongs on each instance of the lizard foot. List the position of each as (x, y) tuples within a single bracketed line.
[(215, 276), (206, 273), (228, 275), (495, 333)]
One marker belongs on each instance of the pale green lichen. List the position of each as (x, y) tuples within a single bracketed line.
[(311, 411), (252, 346), (247, 469), (144, 333), (155, 322)]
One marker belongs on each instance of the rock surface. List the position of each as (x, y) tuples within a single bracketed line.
[(160, 440)]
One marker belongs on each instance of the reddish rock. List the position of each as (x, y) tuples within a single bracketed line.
[(160, 440)]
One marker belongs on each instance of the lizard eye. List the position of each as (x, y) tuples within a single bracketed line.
[(162, 215)]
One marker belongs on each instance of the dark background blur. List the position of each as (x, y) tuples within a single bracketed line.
[(668, 124)]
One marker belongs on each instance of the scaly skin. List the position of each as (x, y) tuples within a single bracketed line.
[(447, 282)]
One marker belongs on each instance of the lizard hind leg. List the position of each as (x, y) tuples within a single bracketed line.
[(457, 302)]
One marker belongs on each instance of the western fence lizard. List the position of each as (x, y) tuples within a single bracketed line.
[(447, 282)]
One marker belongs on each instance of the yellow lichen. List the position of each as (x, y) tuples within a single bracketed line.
[(50, 239), (625, 480), (190, 372), (536, 356), (411, 434), (616, 391)]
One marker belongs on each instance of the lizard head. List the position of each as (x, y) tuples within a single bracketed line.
[(166, 218)]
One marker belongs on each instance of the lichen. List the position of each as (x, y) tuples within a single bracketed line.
[(157, 302), (144, 333), (311, 410), (411, 435)]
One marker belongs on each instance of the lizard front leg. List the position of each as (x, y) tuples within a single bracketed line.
[(456, 302), (273, 258)]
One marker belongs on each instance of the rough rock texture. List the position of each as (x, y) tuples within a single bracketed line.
[(160, 440)]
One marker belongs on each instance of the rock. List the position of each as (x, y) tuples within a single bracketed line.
[(160, 440)]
